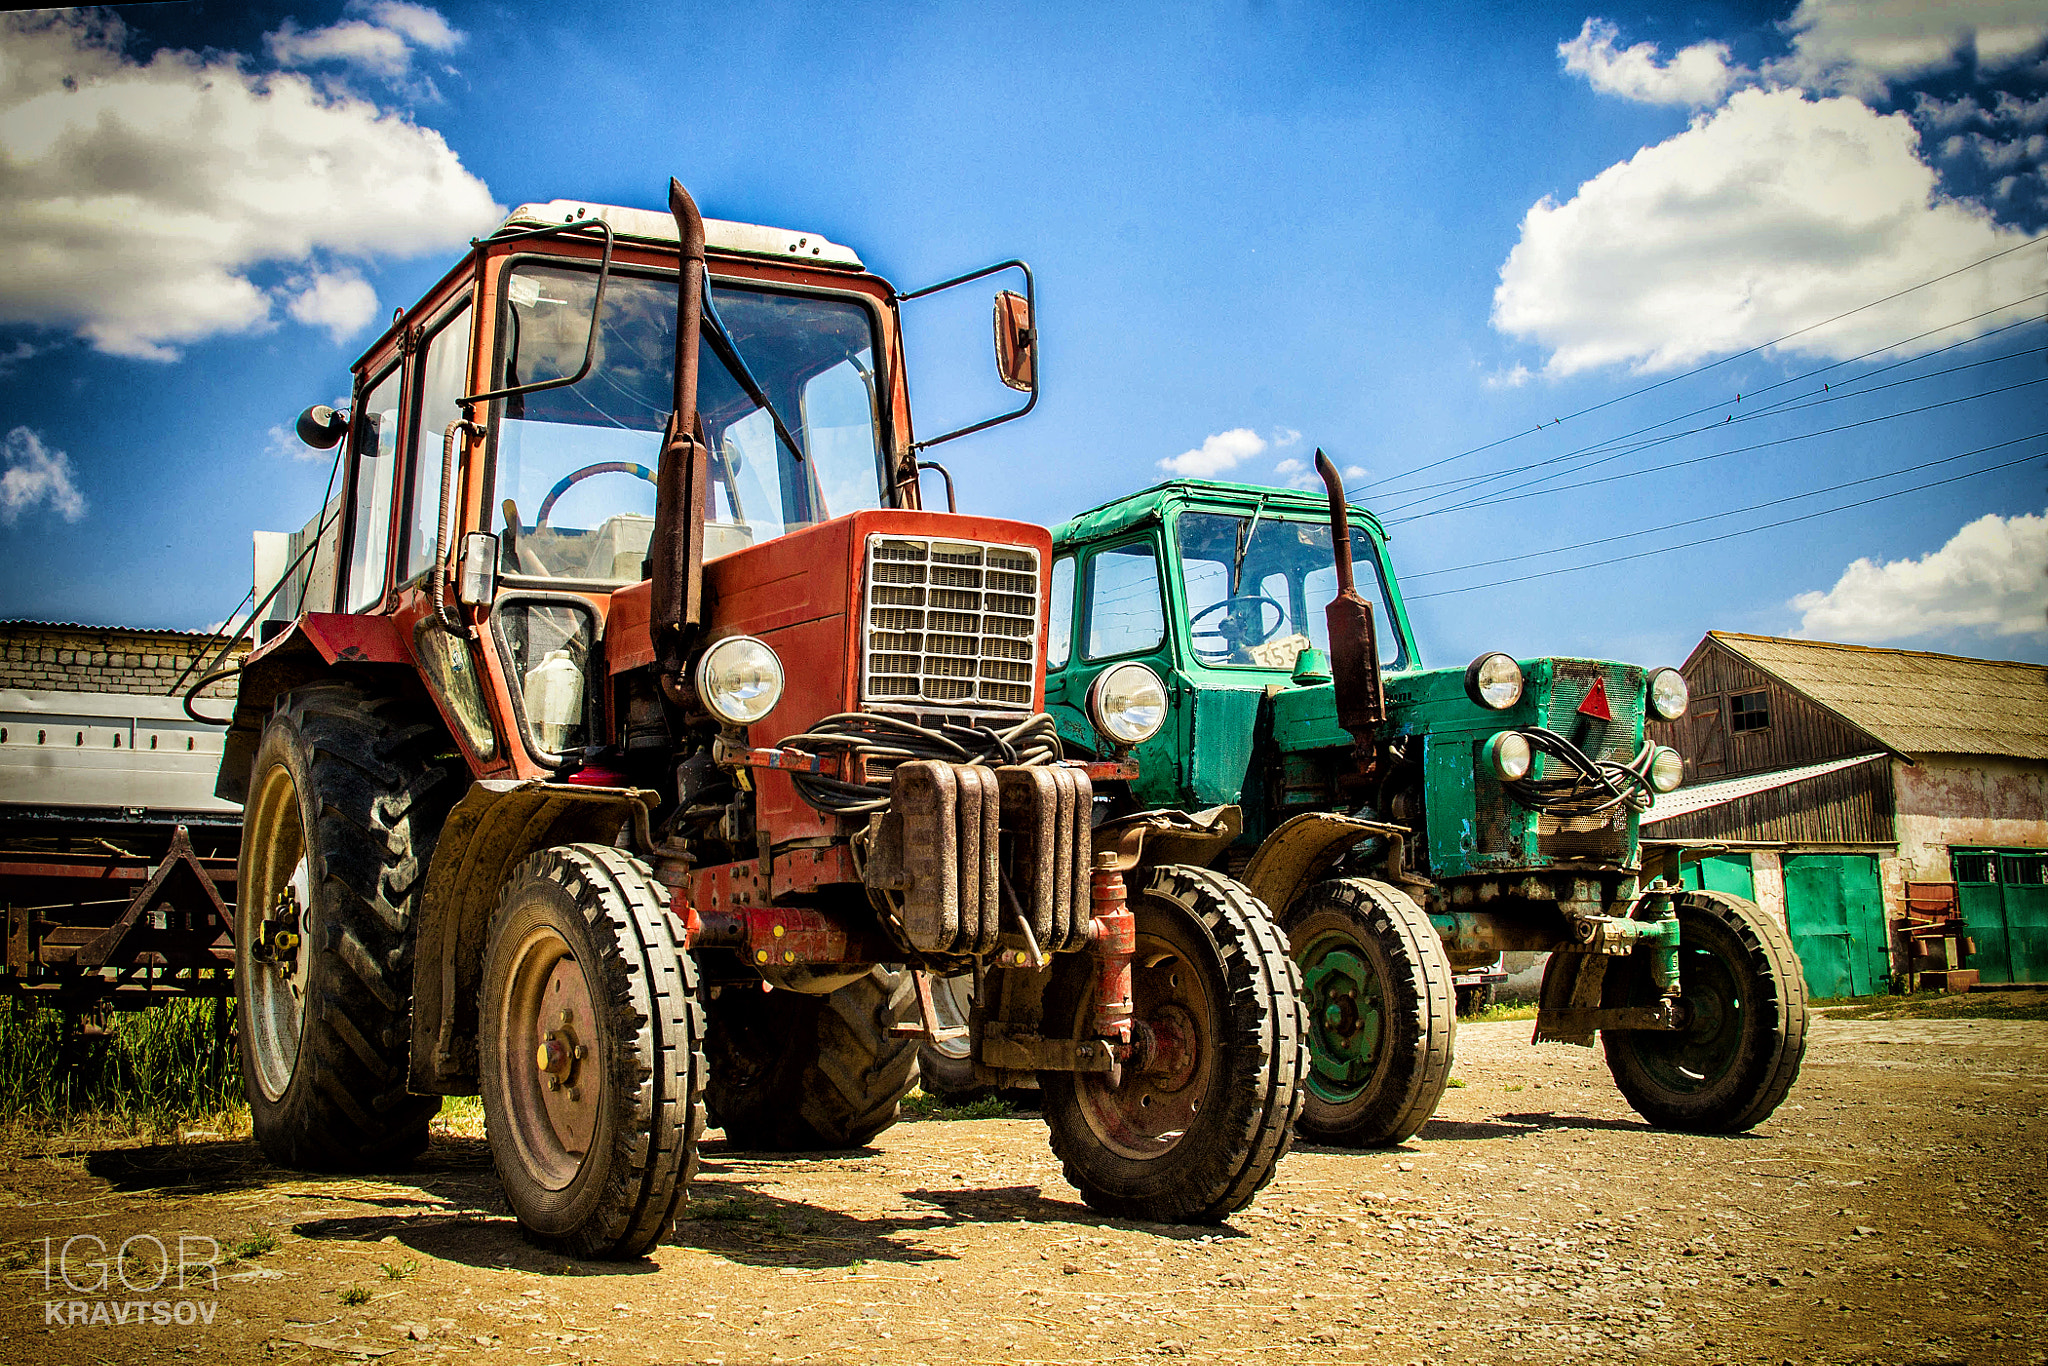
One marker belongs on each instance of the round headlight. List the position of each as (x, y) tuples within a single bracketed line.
[(740, 680), (1668, 694), (1128, 704), (1494, 680), (1667, 769), (1508, 755)]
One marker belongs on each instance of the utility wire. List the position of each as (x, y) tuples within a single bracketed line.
[(1740, 450), (1731, 512), (1702, 369), (1727, 536), (1789, 406)]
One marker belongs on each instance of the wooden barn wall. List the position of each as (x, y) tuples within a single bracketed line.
[(1848, 806), (1800, 731)]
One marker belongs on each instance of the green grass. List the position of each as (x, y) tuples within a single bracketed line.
[(154, 1070), (1503, 1010), (918, 1105)]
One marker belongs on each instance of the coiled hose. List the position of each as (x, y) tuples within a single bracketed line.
[(1593, 786), (894, 740)]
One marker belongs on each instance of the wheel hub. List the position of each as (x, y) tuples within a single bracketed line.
[(1144, 1110), (554, 1104), (1346, 1018)]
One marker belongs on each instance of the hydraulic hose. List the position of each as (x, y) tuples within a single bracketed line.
[(894, 740)]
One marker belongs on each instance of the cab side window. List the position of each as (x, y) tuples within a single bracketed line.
[(1125, 611), (1059, 636), (443, 379), (376, 466)]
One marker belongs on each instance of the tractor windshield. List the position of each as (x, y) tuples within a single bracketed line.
[(1257, 586), (573, 487)]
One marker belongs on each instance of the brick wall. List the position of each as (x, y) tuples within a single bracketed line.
[(101, 659)]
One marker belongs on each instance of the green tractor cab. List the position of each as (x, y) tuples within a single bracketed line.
[(1248, 646)]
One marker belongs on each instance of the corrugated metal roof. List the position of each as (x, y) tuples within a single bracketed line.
[(90, 626), (1687, 800), (1911, 700)]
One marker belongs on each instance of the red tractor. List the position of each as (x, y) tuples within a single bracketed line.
[(643, 745)]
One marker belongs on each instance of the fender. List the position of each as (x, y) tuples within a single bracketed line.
[(316, 643), (498, 823), (1304, 849)]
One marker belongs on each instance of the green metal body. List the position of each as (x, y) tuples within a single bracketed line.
[(1265, 735)]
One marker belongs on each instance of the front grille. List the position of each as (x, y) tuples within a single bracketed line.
[(1617, 739), (949, 624)]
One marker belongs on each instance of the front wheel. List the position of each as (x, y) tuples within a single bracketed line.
[(1205, 1109), (590, 1064), (1739, 1054), (1382, 1016)]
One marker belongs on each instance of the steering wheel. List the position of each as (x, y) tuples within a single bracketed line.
[(1233, 635), (575, 477)]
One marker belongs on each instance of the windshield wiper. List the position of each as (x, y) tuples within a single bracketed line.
[(729, 352)]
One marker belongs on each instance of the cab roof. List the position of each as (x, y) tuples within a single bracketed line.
[(647, 225), (1152, 504)]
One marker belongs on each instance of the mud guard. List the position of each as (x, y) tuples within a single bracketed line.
[(316, 643), (1303, 850), (497, 824), (1148, 838)]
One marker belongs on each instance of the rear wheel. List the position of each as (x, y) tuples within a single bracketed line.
[(1739, 1054), (346, 798), (794, 1072), (590, 1065), (1382, 1017), (1205, 1110)]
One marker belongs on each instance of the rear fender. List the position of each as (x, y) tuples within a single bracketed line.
[(497, 824), (316, 645), (1303, 850)]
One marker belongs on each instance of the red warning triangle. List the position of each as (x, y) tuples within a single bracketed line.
[(1595, 704)]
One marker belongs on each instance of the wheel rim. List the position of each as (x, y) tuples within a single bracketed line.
[(276, 900), (950, 1004), (1168, 1076), (1346, 1006), (1699, 1055), (550, 1059)]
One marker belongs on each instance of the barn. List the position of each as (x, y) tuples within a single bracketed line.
[(1857, 792)]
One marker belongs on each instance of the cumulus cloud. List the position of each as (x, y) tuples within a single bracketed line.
[(35, 476), (1990, 579), (1863, 46), (380, 42), (1295, 473), (1763, 217), (1219, 452), (1697, 75), (145, 203)]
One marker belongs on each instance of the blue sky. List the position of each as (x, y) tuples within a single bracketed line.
[(1477, 243)]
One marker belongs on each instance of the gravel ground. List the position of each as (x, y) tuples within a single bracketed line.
[(1890, 1212)]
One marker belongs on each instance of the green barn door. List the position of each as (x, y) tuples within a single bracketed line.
[(1981, 902), (1836, 914), (2023, 879), (1722, 873)]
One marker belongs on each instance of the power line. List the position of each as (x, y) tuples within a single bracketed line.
[(1731, 512), (1777, 410), (1727, 536), (1740, 450), (1702, 369)]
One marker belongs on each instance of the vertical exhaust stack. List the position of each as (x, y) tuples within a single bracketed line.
[(676, 554), (1354, 645)]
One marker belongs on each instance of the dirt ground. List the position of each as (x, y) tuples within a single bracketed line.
[(1891, 1212)]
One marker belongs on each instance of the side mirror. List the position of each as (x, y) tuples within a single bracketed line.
[(1016, 342), (321, 427), (476, 585)]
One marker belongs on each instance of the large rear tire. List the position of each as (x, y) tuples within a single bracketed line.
[(1381, 1001), (794, 1072), (589, 1052), (1740, 981), (1192, 1132), (346, 798)]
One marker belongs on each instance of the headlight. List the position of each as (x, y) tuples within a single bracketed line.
[(740, 679), (1128, 704), (1667, 769), (1494, 680), (1508, 755), (1668, 694)]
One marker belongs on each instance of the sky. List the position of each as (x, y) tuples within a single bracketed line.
[(1630, 325)]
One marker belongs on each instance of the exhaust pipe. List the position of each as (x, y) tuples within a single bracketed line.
[(676, 553), (1354, 645)]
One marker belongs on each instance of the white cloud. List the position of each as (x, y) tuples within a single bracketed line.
[(380, 44), (1284, 437), (340, 301), (1861, 46), (1697, 75), (1217, 453), (36, 476), (142, 201), (1991, 579), (1295, 473), (1760, 219)]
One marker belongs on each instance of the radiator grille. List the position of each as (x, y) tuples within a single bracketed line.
[(949, 623)]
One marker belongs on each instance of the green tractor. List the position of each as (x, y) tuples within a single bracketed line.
[(1407, 824)]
